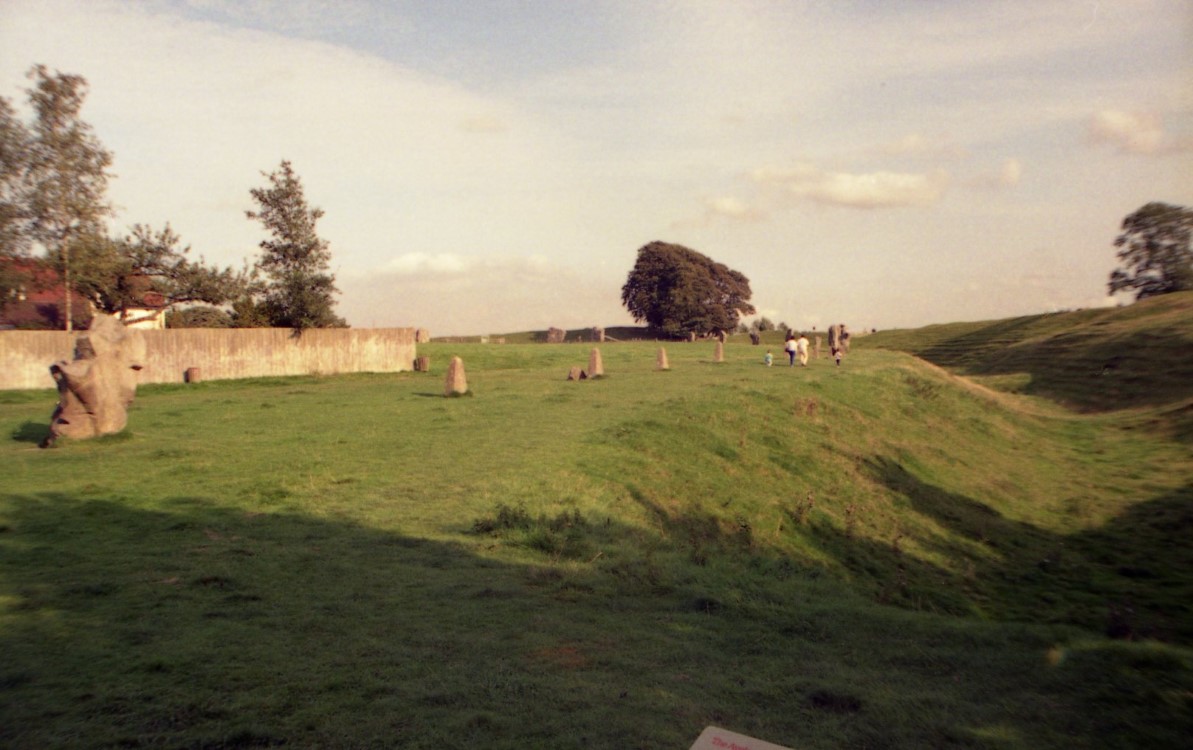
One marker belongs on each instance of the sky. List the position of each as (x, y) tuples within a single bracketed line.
[(494, 166)]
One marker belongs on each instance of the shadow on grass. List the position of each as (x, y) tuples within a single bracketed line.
[(1131, 578), (32, 432), (195, 625), (1084, 369)]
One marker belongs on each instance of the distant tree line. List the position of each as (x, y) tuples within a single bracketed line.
[(54, 214)]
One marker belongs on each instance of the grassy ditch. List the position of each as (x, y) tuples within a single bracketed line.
[(879, 554)]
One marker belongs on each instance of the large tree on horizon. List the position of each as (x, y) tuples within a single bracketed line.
[(1156, 251), (297, 289), (678, 291)]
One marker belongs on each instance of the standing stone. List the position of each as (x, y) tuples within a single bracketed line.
[(816, 349), (719, 352), (422, 336), (422, 364), (456, 383), (556, 335), (660, 362), (596, 368), (754, 338), (598, 334), (96, 388), (575, 373)]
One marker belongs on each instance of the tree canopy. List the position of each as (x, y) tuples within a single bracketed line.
[(1155, 251), (679, 291), (147, 266), (297, 291)]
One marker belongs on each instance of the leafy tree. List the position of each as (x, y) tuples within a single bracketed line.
[(198, 316), (763, 324), (118, 274), (14, 239), (297, 289), (679, 291), (1155, 251), (67, 171)]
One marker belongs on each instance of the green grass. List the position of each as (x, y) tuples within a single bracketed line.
[(881, 554)]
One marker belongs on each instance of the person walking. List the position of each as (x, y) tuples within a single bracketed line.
[(789, 347), (801, 350)]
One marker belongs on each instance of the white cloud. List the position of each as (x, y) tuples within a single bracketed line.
[(916, 144), (868, 190), (1007, 176), (1140, 133)]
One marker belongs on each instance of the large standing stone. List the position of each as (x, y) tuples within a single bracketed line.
[(556, 335), (719, 353), (456, 383), (838, 338), (95, 389), (596, 368), (661, 360), (422, 336), (598, 334)]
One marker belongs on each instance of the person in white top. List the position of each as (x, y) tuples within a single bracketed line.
[(801, 350), (789, 347)]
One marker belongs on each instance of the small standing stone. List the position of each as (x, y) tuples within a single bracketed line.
[(596, 368), (575, 373), (556, 335), (719, 352), (422, 336), (661, 360), (422, 364), (456, 383)]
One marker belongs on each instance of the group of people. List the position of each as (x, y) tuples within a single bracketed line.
[(797, 348)]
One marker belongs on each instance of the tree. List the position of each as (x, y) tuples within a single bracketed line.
[(1155, 251), (118, 274), (66, 171), (198, 316), (297, 289), (14, 237), (679, 291)]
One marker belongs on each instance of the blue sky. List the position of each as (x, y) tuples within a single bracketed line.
[(494, 166)]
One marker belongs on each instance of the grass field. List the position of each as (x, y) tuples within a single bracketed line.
[(883, 554)]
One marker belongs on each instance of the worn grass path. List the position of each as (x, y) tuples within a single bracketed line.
[(874, 555)]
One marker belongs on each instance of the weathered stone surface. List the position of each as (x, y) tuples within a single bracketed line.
[(719, 353), (838, 338), (575, 373), (95, 389), (422, 364), (556, 335), (192, 375), (598, 334), (661, 360), (422, 336), (456, 383), (596, 368)]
